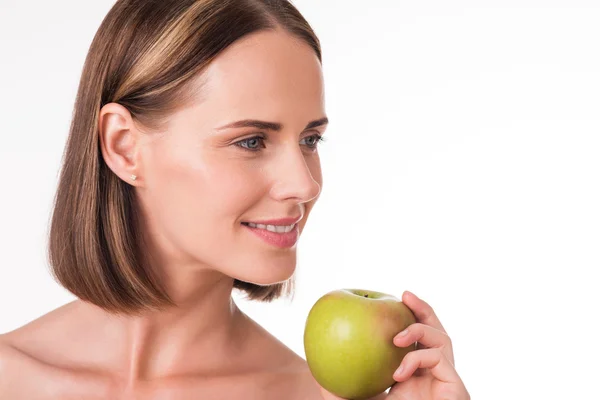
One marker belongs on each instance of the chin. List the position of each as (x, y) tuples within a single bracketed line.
[(256, 263), (269, 274), (267, 280)]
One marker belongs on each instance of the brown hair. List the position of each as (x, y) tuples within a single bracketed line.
[(144, 56)]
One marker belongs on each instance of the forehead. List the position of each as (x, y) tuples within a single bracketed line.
[(265, 75)]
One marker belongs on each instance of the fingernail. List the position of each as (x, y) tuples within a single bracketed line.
[(403, 333), (398, 372)]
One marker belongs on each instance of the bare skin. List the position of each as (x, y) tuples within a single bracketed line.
[(41, 361), (195, 187)]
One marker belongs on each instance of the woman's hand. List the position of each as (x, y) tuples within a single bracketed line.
[(426, 373)]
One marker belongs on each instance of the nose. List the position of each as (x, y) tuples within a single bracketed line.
[(293, 178)]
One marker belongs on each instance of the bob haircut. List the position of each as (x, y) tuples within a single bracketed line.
[(144, 56)]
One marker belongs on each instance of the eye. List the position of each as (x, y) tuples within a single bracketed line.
[(314, 140), (251, 144)]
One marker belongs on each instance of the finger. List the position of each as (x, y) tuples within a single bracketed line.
[(428, 337), (433, 360), (422, 310)]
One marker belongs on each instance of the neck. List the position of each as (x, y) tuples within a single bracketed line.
[(198, 333)]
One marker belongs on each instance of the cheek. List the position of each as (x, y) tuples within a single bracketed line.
[(197, 196), (199, 204), (195, 200)]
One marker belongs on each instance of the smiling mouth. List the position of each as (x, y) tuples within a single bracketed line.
[(271, 228)]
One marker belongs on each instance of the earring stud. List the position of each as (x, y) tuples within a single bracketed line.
[(133, 177)]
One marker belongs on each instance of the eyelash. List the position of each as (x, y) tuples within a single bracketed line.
[(318, 138)]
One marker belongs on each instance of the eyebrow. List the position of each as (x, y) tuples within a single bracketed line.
[(272, 126)]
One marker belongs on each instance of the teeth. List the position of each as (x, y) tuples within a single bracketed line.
[(273, 228)]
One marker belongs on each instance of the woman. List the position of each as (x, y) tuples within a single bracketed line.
[(190, 170)]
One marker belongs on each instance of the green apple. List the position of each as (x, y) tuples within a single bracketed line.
[(348, 341)]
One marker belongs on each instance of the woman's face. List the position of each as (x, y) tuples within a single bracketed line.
[(201, 181)]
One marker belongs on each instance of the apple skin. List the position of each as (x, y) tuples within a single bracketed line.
[(348, 341)]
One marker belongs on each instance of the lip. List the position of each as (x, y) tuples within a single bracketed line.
[(282, 240), (278, 221)]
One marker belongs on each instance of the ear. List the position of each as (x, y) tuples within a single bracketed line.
[(119, 140)]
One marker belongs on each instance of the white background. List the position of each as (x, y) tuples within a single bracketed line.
[(462, 163)]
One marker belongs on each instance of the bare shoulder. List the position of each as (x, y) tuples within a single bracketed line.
[(12, 358), (293, 382), (304, 387), (27, 342), (17, 368), (26, 355), (287, 375), (9, 357)]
